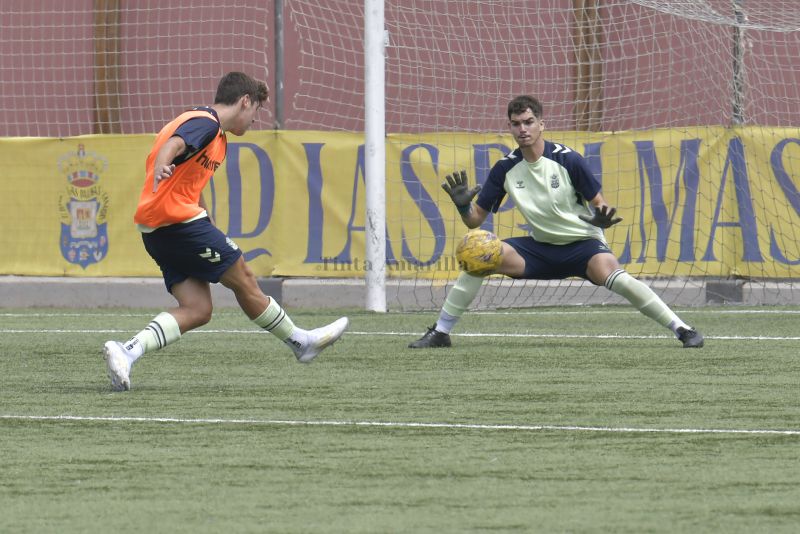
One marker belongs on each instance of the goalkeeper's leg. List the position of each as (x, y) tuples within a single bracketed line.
[(467, 286), (457, 302), (644, 299), (461, 296)]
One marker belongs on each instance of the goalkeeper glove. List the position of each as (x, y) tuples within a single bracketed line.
[(603, 217), (457, 186)]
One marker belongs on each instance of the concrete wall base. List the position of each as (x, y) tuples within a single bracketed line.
[(407, 295)]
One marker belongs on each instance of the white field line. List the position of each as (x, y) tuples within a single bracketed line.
[(394, 424), (578, 311), (412, 334)]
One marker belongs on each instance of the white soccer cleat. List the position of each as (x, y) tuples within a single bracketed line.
[(320, 338), (118, 366)]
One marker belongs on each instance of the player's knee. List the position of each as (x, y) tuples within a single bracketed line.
[(239, 278), (200, 314), (512, 264), (601, 267), (204, 316)]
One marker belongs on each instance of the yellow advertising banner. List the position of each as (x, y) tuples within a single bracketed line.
[(695, 201)]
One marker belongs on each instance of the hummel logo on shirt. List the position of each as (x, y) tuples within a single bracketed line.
[(207, 162), (561, 148)]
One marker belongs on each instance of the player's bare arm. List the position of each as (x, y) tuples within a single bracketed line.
[(475, 217), (163, 166)]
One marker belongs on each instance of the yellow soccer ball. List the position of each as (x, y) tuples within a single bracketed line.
[(479, 252)]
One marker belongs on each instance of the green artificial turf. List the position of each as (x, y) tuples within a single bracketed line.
[(545, 420)]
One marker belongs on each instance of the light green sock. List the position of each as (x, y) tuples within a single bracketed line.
[(276, 321), (645, 300), (458, 300), (159, 333)]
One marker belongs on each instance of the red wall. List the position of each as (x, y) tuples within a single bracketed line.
[(450, 65)]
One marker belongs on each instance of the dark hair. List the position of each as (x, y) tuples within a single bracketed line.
[(235, 85), (521, 103)]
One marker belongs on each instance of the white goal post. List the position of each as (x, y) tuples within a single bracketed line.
[(375, 155)]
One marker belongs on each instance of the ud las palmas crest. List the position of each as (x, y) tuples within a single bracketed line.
[(83, 207)]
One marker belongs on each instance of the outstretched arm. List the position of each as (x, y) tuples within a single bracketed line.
[(457, 186)]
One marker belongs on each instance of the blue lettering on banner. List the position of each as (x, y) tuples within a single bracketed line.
[(687, 166), (661, 211), (789, 190), (314, 252), (482, 159), (735, 162), (424, 202), (266, 177), (591, 154), (358, 177), (650, 175), (315, 211)]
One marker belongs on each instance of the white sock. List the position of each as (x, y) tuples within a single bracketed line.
[(446, 322), (159, 333), (276, 321)]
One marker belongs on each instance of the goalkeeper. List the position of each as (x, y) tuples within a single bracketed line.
[(191, 251), (554, 190)]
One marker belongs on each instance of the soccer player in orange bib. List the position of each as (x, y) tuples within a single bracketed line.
[(192, 253), (555, 191)]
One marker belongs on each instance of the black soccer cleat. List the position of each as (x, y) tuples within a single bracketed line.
[(432, 339), (691, 338)]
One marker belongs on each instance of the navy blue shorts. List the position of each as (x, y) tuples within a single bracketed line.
[(196, 249), (544, 261)]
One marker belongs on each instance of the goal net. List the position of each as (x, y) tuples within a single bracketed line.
[(688, 112), (110, 66)]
